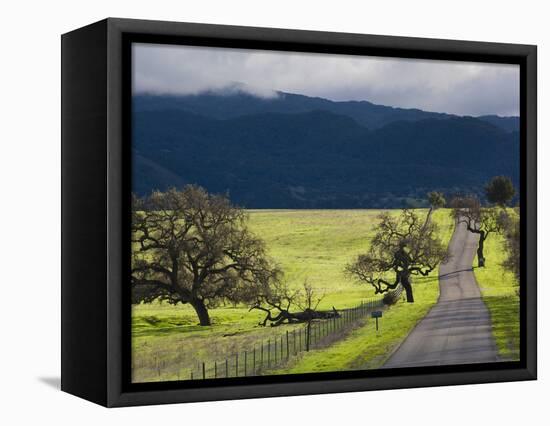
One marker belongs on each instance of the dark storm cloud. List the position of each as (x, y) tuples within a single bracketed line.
[(463, 88)]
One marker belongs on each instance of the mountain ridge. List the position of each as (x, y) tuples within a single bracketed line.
[(318, 159), (224, 106)]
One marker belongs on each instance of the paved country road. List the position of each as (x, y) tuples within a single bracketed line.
[(457, 330)]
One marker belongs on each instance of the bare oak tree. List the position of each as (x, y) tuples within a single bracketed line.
[(478, 220), (193, 247), (403, 246)]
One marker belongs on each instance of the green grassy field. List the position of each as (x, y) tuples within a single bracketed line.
[(499, 289), (307, 244), (364, 348)]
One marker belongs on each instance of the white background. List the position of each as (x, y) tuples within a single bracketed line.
[(30, 211)]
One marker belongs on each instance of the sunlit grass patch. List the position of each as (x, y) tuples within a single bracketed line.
[(364, 348), (500, 292)]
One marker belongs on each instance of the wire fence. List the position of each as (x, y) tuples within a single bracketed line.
[(269, 354)]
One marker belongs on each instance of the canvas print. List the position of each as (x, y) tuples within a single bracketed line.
[(297, 213)]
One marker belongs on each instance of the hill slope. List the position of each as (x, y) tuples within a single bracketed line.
[(318, 159)]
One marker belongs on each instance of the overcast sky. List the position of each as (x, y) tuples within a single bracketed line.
[(463, 88)]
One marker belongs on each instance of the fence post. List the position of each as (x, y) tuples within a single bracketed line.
[(262, 356), (308, 335), (315, 334), (287, 346), (237, 364), (268, 353), (300, 339), (275, 360), (203, 371), (254, 361), (245, 361), (226, 368), (294, 340), (215, 369)]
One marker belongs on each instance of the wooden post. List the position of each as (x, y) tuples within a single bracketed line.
[(315, 333), (308, 336), (203, 371), (237, 364), (287, 346), (245, 362), (262, 356), (300, 339), (282, 348), (269, 352), (275, 350), (215, 369), (294, 340), (226, 368), (254, 361)]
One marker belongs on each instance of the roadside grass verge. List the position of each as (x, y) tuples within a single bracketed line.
[(499, 290)]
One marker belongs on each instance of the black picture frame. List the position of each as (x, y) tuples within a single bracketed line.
[(96, 169)]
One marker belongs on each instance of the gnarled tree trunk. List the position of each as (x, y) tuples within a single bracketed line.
[(202, 311), (406, 283), (480, 257)]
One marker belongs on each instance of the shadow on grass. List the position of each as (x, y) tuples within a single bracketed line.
[(445, 276), (166, 330)]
